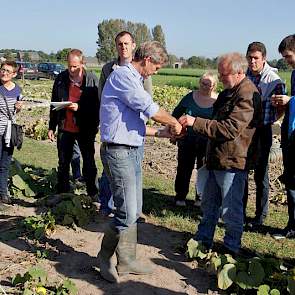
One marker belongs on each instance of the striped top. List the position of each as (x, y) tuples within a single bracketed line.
[(12, 96)]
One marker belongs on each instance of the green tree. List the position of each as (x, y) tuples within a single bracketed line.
[(282, 65), (62, 55), (197, 62), (107, 31), (158, 35)]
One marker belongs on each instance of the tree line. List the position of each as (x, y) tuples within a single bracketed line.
[(106, 48)]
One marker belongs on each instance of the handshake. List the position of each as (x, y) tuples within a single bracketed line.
[(177, 128)]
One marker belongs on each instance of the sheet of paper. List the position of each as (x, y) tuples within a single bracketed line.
[(58, 105)]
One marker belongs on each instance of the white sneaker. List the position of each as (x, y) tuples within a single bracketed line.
[(180, 203)]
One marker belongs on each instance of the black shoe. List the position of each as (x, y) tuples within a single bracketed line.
[(256, 223)]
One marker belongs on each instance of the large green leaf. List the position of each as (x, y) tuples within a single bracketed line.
[(194, 249), (253, 277), (226, 276)]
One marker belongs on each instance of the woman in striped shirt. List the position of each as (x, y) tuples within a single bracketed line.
[(11, 92)]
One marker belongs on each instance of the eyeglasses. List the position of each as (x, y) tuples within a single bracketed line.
[(220, 75), (6, 71)]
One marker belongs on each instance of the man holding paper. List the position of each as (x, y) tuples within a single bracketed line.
[(75, 111)]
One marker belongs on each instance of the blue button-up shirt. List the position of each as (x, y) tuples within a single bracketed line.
[(124, 104)]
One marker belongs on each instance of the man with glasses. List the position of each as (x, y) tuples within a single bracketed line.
[(125, 45), (229, 135), (124, 106)]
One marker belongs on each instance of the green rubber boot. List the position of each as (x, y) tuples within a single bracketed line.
[(108, 247), (126, 253)]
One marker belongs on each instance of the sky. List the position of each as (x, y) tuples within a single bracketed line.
[(191, 27)]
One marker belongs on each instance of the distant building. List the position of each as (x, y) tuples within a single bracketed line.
[(33, 56), (177, 65), (91, 62)]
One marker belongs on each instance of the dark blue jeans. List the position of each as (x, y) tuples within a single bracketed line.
[(5, 159), (65, 143), (261, 171), (123, 169), (75, 163)]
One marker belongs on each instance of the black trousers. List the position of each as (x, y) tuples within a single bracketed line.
[(190, 150), (65, 144)]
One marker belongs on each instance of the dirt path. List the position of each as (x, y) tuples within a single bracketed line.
[(72, 254)]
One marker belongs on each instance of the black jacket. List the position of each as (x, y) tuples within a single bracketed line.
[(87, 116)]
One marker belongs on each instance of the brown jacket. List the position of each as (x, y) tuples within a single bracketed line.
[(236, 114)]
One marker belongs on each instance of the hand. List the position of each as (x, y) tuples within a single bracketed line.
[(186, 120), (51, 135), (279, 100), (73, 107), (175, 129), (165, 132), (18, 106)]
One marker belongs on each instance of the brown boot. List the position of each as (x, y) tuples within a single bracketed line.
[(126, 253)]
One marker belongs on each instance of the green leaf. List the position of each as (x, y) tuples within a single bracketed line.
[(18, 279), (263, 290), (226, 276), (215, 263), (253, 277), (275, 292), (70, 287), (38, 274), (195, 249)]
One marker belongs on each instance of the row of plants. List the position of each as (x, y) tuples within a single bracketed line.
[(35, 281), (258, 275)]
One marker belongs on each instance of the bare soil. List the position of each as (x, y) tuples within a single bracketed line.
[(72, 252)]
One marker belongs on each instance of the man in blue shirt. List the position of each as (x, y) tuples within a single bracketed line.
[(287, 50), (124, 106)]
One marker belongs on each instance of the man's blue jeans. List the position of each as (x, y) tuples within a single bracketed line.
[(5, 159), (223, 189), (122, 166)]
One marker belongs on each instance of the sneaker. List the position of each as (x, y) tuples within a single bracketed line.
[(180, 203), (284, 233)]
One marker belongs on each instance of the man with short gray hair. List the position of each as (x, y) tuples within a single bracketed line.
[(229, 135), (124, 106)]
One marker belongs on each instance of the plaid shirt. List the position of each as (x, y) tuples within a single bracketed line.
[(269, 111)]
